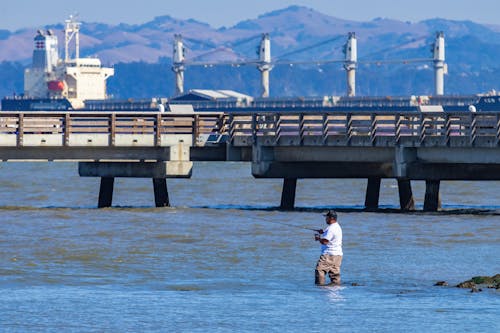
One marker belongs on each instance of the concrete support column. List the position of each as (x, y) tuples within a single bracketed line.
[(158, 171), (372, 193), (288, 194), (161, 192), (406, 200), (106, 192), (432, 200)]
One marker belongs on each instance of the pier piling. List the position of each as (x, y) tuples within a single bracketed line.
[(432, 202), (161, 192), (288, 194), (106, 192), (372, 193), (406, 200)]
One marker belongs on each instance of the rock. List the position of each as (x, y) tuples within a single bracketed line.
[(467, 285), (441, 283), (487, 281), (475, 290)]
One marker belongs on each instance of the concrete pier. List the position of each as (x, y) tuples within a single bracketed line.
[(157, 171), (286, 144)]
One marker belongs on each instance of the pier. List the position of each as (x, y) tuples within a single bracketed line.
[(406, 146)]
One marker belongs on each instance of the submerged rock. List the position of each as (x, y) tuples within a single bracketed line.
[(441, 283), (487, 281)]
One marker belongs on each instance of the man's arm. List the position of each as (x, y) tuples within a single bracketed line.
[(323, 241)]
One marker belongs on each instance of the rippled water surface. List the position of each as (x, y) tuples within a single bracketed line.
[(224, 259)]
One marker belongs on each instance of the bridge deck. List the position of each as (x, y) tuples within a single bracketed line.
[(460, 137)]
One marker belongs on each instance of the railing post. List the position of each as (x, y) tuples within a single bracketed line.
[(498, 130), (196, 129), (348, 126), (277, 132), (254, 127), (301, 127), (325, 127), (447, 126), (422, 128), (20, 130), (221, 126), (158, 129), (231, 128), (373, 128), (397, 130), (112, 129), (473, 128), (67, 128)]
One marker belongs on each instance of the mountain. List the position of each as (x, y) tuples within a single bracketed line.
[(141, 54)]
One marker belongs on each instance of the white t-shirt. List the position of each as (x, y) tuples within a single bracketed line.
[(333, 233)]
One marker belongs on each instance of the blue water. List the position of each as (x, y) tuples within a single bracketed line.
[(224, 260)]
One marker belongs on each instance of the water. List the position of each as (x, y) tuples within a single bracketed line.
[(223, 260)]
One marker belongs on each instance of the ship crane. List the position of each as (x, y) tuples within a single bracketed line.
[(265, 65), (439, 64), (438, 51), (71, 30), (351, 59), (264, 62), (350, 62), (178, 64)]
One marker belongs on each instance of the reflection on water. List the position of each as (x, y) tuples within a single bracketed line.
[(225, 259)]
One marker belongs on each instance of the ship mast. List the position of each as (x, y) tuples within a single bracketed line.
[(71, 29)]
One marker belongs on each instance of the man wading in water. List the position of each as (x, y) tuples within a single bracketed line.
[(331, 250)]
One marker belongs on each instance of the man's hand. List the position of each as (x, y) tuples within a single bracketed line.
[(320, 231)]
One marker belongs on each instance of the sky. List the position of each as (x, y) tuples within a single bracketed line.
[(18, 14)]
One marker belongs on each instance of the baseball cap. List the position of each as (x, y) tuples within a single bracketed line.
[(331, 213)]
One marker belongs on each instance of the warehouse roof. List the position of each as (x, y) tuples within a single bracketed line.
[(211, 95)]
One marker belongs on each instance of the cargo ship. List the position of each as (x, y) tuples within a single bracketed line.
[(52, 83)]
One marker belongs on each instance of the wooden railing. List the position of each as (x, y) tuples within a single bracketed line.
[(67, 125), (244, 129), (354, 128)]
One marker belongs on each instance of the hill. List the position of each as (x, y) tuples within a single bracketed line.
[(141, 54)]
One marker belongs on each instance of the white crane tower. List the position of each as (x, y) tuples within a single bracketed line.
[(264, 64), (351, 59), (439, 64), (71, 29), (178, 64), (350, 62)]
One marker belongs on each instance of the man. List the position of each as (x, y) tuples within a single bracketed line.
[(331, 250)]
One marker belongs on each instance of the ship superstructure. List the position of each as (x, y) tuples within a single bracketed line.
[(73, 78)]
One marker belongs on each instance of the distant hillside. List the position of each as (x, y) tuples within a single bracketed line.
[(141, 54)]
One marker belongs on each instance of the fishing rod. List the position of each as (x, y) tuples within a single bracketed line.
[(291, 225)]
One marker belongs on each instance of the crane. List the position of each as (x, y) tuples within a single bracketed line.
[(265, 64)]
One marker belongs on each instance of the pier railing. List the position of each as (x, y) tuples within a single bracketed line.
[(104, 128), (150, 129), (366, 129)]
